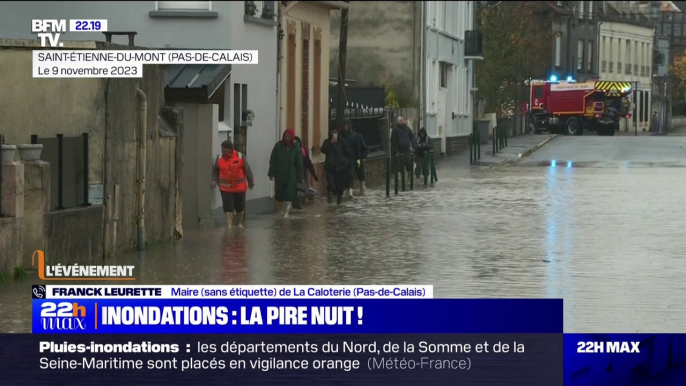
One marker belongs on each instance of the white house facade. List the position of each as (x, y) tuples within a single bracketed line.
[(217, 25), (448, 100), (626, 52)]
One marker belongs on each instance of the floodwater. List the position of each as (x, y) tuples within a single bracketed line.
[(609, 240)]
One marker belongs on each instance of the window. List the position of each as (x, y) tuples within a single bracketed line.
[(627, 55), (432, 75), (262, 9), (180, 5), (444, 75), (580, 55), (538, 92), (589, 56), (581, 9), (590, 9), (558, 49)]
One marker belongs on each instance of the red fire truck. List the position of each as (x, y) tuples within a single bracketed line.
[(572, 107)]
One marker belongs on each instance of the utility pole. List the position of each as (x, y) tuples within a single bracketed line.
[(664, 105), (636, 109), (342, 48)]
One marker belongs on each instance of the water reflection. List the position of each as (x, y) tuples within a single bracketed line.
[(607, 240)]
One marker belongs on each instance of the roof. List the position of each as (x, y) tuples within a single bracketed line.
[(196, 76)]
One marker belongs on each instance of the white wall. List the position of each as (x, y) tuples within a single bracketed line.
[(262, 96), (447, 23), (615, 38)]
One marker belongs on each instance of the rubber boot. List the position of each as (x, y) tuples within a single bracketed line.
[(229, 220), (339, 199), (363, 188), (279, 206), (329, 197), (240, 217), (350, 193), (287, 210)]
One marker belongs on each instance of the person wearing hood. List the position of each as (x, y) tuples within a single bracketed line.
[(336, 165), (307, 166), (232, 174), (422, 148), (286, 170), (352, 148), (401, 142), (360, 171)]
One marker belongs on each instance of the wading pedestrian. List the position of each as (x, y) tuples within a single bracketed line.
[(286, 170), (233, 176)]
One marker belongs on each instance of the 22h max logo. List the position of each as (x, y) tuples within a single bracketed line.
[(63, 316)]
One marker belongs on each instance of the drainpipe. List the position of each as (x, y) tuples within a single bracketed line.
[(142, 133), (422, 69)]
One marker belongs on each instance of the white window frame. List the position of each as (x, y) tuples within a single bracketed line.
[(558, 49), (580, 55), (590, 10), (449, 19), (458, 94), (433, 79), (589, 55), (183, 5), (440, 19), (581, 9)]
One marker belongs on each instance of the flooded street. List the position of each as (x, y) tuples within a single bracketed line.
[(609, 240)]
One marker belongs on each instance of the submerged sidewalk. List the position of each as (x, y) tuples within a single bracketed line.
[(517, 147)]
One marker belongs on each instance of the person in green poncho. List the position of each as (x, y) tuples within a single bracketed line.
[(286, 170)]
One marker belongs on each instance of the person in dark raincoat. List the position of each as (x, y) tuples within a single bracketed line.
[(422, 147), (286, 170), (307, 166), (336, 165), (351, 144), (401, 143), (360, 171)]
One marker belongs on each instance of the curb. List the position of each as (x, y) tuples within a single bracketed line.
[(525, 152)]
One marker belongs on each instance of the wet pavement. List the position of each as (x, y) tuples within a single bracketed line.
[(607, 240)]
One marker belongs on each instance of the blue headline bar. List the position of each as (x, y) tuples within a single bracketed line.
[(387, 316)]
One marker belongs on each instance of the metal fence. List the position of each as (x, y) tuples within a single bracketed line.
[(69, 167), (365, 109), (370, 123)]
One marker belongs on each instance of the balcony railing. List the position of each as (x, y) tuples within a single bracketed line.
[(619, 67), (635, 69), (612, 67), (604, 68), (473, 44)]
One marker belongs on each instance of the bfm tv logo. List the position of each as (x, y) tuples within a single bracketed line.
[(63, 316)]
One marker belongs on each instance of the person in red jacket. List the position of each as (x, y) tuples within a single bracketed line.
[(233, 176)]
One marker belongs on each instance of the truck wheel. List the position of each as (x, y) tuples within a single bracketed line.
[(533, 129), (573, 127)]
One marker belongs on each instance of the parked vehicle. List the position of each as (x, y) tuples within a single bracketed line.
[(572, 107)]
